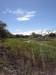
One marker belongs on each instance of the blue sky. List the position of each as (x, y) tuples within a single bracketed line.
[(25, 16)]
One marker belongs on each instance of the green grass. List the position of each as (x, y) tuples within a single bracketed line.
[(47, 49), (52, 43)]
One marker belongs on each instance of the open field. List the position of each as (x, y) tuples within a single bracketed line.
[(29, 56), (48, 48)]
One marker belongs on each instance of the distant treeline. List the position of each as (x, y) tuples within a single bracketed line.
[(4, 33)]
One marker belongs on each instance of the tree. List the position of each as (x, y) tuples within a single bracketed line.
[(3, 31), (53, 35), (34, 35)]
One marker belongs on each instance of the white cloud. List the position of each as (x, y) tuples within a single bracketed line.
[(27, 16), (7, 11), (21, 15), (18, 12), (39, 31), (43, 32)]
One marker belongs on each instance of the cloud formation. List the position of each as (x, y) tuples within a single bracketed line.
[(39, 31), (26, 16), (21, 15)]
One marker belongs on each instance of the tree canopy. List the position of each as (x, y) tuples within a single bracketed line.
[(3, 31)]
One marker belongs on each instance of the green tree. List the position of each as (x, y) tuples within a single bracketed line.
[(53, 35), (34, 35), (3, 31)]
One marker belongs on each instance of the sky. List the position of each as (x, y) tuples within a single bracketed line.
[(26, 16)]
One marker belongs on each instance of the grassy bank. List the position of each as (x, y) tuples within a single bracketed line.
[(27, 56), (36, 48)]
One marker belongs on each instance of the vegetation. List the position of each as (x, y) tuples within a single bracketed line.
[(34, 42), (47, 47), (34, 49)]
